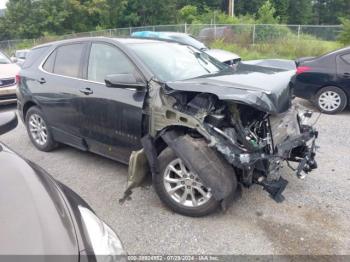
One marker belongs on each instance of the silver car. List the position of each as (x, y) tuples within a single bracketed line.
[(20, 56), (183, 38)]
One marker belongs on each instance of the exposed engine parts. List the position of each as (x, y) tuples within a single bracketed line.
[(213, 136)]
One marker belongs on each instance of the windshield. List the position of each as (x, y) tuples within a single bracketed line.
[(4, 59), (172, 62)]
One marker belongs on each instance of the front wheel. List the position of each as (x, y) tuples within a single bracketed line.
[(181, 189)]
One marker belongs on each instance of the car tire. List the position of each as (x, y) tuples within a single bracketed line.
[(206, 207), (39, 131), (331, 100)]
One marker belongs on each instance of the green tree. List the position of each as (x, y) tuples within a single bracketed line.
[(281, 7), (107, 13), (251, 7), (300, 11), (55, 14), (266, 14), (22, 19), (344, 37), (188, 13), (330, 11), (200, 4), (4, 31)]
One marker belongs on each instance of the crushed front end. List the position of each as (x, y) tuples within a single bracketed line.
[(255, 143), (245, 134), (258, 144)]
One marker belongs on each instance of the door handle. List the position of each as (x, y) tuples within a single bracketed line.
[(86, 91), (42, 81)]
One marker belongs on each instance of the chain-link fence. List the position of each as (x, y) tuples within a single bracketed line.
[(244, 35)]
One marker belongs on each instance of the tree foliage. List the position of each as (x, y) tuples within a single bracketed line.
[(330, 11), (345, 34), (300, 12), (35, 18), (266, 14)]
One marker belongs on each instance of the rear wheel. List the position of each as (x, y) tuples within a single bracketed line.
[(331, 100), (181, 189), (38, 130)]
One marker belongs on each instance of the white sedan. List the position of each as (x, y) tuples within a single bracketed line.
[(8, 72)]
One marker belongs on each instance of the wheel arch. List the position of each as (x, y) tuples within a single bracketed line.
[(27, 106), (153, 146)]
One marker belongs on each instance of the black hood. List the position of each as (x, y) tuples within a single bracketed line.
[(266, 89)]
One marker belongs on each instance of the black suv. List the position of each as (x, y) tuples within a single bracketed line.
[(198, 126)]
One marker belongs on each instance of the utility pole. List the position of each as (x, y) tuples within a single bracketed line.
[(233, 7)]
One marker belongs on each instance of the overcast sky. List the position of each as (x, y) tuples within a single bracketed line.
[(3, 4)]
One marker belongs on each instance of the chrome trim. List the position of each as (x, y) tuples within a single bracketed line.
[(6, 79), (8, 101), (8, 85)]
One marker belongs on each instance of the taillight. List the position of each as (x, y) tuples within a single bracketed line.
[(303, 69), (18, 79)]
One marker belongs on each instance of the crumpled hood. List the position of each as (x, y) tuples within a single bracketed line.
[(266, 89), (8, 70)]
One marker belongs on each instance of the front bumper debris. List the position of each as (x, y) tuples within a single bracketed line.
[(275, 188)]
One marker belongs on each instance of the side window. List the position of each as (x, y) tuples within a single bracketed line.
[(346, 58), (48, 66), (107, 60), (68, 60)]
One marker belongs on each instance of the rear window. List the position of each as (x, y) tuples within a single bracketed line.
[(68, 60), (50, 62), (34, 55)]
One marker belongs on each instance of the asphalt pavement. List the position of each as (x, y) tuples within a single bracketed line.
[(314, 218)]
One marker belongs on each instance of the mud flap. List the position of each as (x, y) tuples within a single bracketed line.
[(214, 171), (137, 172)]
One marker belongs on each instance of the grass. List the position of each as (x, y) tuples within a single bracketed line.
[(290, 48)]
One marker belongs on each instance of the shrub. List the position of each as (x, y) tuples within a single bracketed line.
[(344, 37), (290, 48), (188, 13), (268, 33)]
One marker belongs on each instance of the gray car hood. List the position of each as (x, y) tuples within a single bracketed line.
[(265, 89), (222, 55)]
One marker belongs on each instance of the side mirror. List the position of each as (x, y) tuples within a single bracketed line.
[(14, 59), (124, 81), (8, 121)]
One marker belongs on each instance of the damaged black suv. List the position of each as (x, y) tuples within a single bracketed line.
[(198, 126)]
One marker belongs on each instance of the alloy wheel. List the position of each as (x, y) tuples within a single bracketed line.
[(38, 129), (185, 187)]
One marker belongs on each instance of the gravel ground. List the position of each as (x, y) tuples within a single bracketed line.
[(314, 218)]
